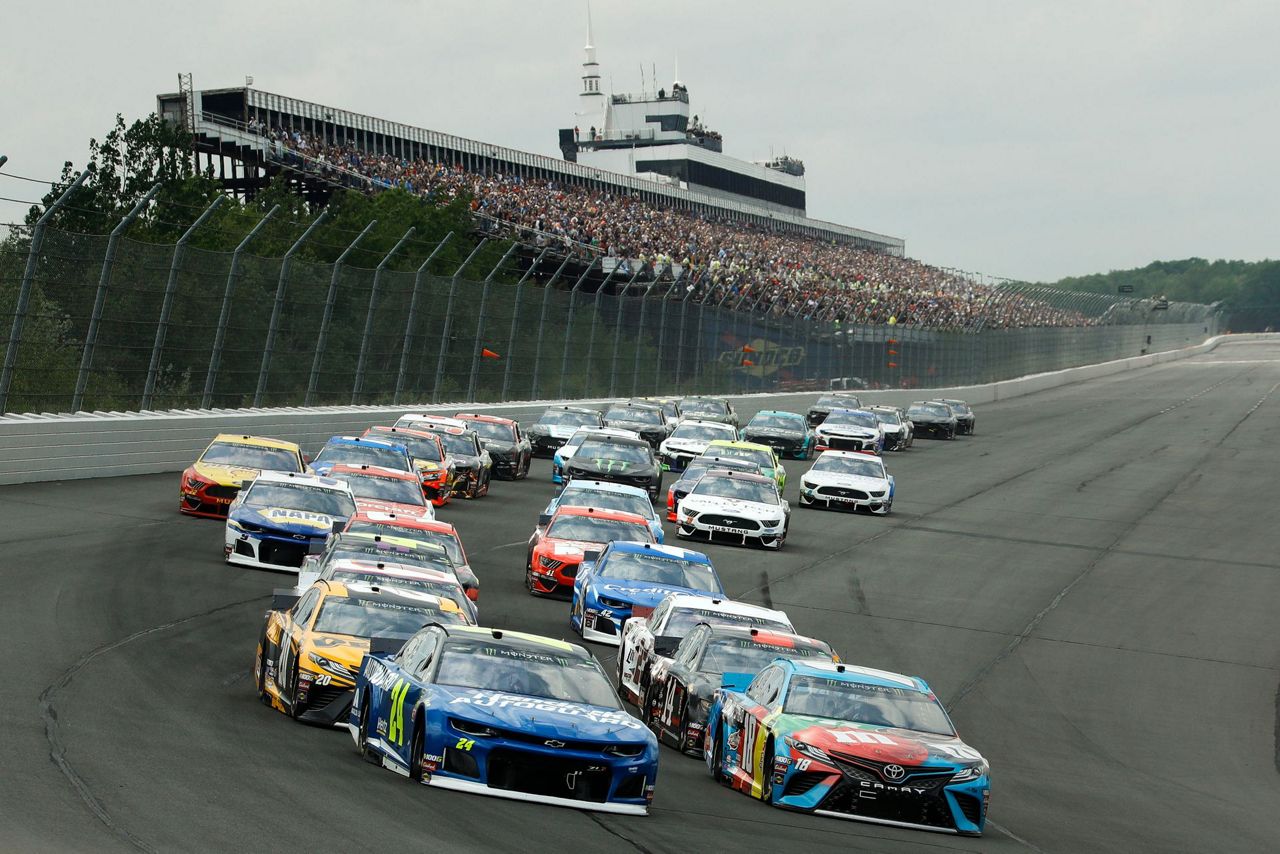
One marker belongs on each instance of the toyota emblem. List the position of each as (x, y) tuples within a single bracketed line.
[(551, 742), (894, 773)]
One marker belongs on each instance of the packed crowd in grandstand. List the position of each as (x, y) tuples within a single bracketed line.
[(722, 261)]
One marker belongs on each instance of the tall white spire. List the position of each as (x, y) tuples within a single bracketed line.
[(591, 98)]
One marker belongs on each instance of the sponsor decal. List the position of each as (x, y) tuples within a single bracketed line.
[(399, 692), (496, 699), (465, 744), (281, 513)]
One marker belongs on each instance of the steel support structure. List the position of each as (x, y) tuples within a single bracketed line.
[(448, 321), (313, 381), (363, 360), (568, 326), (515, 323), (542, 325), (407, 347), (484, 302)]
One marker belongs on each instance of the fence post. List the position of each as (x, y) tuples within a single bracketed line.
[(413, 314), (215, 357), (697, 346), (484, 299), (568, 326), (269, 345), (515, 322), (662, 335), (617, 334), (684, 316), (99, 299), (166, 305), (635, 350), (542, 324), (368, 318), (448, 321), (591, 339), (313, 381), (24, 291)]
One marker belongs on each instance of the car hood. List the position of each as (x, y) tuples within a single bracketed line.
[(931, 419), (635, 426), (558, 431), (878, 744), (552, 719), (852, 481), (826, 429), (567, 549), (287, 520), (225, 475), (344, 649), (612, 466), (377, 505), (735, 506), (498, 446), (688, 446), (426, 465), (774, 433), (642, 593)]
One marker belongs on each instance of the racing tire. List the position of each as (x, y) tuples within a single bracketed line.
[(260, 685), (416, 751), (766, 767), (649, 714), (362, 734), (717, 757), (295, 711)]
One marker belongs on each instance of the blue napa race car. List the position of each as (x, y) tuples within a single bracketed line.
[(503, 713), (626, 577), (604, 495), (281, 517), (846, 742), (355, 451)]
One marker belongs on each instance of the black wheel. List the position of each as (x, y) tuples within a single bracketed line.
[(260, 666), (717, 757), (362, 734), (295, 708), (766, 787), (649, 713), (417, 773)]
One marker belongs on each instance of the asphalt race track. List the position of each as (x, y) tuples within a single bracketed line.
[(1090, 583)]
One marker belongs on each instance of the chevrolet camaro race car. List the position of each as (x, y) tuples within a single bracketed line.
[(421, 529), (850, 430), (617, 460), (822, 408), (380, 548), (933, 419), (508, 448), (605, 496), (554, 427), (281, 517), (429, 459), (556, 549), (966, 420), (625, 576), (690, 439), (732, 507), (502, 713), (848, 742), (787, 433), (354, 451), (695, 470), (682, 688), (847, 480), (212, 482), (762, 455), (561, 456), (648, 639), (408, 576), (670, 407), (709, 409), (384, 490), (311, 646), (649, 421), (899, 432)]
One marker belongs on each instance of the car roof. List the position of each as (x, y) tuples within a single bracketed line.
[(489, 419), (255, 441), (723, 462), (604, 486), (706, 397), (303, 479), (726, 605), (698, 422), (507, 637), (611, 439), (391, 569), (948, 401), (689, 555), (409, 521), (388, 593), (639, 404), (586, 410), (851, 411), (851, 455), (360, 440), (855, 673), (382, 430), (769, 636), (607, 433), (372, 471), (778, 412), (601, 513), (389, 540)]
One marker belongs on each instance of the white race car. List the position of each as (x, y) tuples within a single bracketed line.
[(899, 432), (847, 480), (649, 639), (850, 430), (734, 507), (690, 439), (281, 517)]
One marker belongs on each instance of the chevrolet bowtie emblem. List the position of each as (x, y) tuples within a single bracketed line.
[(551, 742)]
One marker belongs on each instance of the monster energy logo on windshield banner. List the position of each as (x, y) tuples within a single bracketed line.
[(611, 465)]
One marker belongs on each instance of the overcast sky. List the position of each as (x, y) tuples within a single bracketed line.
[(1025, 139)]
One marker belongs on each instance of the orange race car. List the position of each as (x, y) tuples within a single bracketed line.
[(210, 484), (429, 459), (556, 550)]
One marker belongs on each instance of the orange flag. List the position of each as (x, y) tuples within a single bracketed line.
[(893, 364), (747, 363), (489, 354), (747, 348)]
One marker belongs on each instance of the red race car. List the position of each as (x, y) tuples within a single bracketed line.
[(383, 489), (428, 458), (556, 550)]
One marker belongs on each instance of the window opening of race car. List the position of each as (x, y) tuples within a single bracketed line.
[(596, 449), (684, 619), (638, 414), (657, 569), (366, 618), (737, 488), (862, 467), (703, 432), (561, 418), (251, 457), (352, 454), (296, 496), (887, 417), (590, 529), (780, 422), (460, 443), (856, 418), (748, 656), (384, 488), (420, 447), (875, 705), (604, 500), (529, 672), (493, 430), (703, 407)]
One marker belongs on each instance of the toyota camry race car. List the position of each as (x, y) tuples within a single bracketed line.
[(554, 427), (403, 551), (709, 409), (311, 646), (605, 496), (625, 576), (690, 439), (429, 459), (282, 517), (384, 490), (850, 430), (762, 455), (508, 448), (354, 451), (561, 456), (732, 507), (786, 432), (899, 432), (966, 420), (820, 410), (695, 470), (408, 576), (470, 465), (650, 638), (421, 529), (502, 713), (556, 550), (847, 480), (933, 419), (647, 420), (682, 688), (212, 482), (848, 742), (617, 460)]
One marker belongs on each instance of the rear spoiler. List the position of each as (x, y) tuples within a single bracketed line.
[(385, 645), (736, 681)]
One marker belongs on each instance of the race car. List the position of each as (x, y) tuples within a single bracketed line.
[(560, 458), (696, 469), (412, 576), (378, 489), (649, 638), (628, 575), (848, 742), (556, 549), (649, 421), (423, 530), (847, 480), (670, 407), (469, 463), (850, 430), (429, 459), (966, 420), (508, 448), (899, 432), (822, 408), (690, 439), (212, 482), (786, 432), (933, 419), (606, 496), (503, 713), (379, 548), (618, 460), (709, 409), (682, 688), (762, 455), (554, 427), (282, 516), (733, 507), (352, 450), (311, 646)]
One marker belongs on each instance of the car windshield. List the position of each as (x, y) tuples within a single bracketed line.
[(297, 496), (684, 619), (366, 618), (856, 419), (961, 408), (743, 655), (493, 430), (638, 414), (657, 569), (849, 465), (759, 456), (562, 418), (692, 406), (389, 553), (354, 455), (384, 488), (534, 672), (934, 409), (436, 587), (251, 457), (420, 447), (447, 541), (637, 504), (738, 488), (836, 401), (460, 444), (775, 422), (887, 417), (703, 432), (875, 705), (593, 529), (601, 451)]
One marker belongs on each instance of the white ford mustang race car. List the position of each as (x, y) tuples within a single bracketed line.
[(649, 639), (734, 507), (850, 430), (847, 480), (690, 439)]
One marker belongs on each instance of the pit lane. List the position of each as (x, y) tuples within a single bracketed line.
[(1089, 583)]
